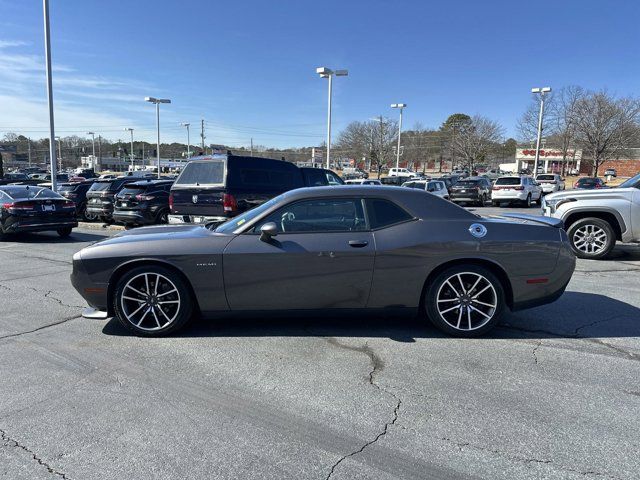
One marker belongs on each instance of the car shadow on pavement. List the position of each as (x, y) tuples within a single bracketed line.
[(574, 315), (50, 237)]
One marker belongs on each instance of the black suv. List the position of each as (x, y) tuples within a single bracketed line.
[(77, 193), (476, 190), (143, 203), (100, 196), (218, 187)]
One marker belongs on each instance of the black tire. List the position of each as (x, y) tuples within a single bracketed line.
[(148, 328), (577, 231), (162, 217), (468, 274), (64, 232), (527, 202), (88, 217)]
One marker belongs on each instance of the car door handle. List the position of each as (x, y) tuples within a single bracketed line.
[(358, 243)]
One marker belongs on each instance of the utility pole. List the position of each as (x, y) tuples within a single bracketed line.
[(252, 146), (29, 141), (202, 137), (380, 159), (186, 124), (540, 91)]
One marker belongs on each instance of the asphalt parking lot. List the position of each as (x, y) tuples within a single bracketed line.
[(554, 392)]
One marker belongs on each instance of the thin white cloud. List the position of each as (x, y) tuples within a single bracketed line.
[(12, 43)]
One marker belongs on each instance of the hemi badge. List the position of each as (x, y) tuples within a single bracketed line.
[(538, 280)]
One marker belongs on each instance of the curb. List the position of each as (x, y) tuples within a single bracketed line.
[(100, 226)]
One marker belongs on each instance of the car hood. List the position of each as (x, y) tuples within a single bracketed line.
[(158, 233), (596, 193)]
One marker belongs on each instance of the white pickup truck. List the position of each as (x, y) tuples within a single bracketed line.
[(596, 219)]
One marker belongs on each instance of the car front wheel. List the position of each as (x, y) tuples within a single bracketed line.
[(591, 238), (64, 232), (152, 301), (465, 301)]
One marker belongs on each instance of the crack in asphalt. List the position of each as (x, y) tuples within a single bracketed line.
[(527, 460), (49, 325), (8, 441), (576, 334), (377, 366), (48, 294), (535, 351)]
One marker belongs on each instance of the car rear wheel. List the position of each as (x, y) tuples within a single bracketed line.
[(89, 217), (64, 232), (152, 301), (527, 202), (465, 301), (591, 238), (163, 217)]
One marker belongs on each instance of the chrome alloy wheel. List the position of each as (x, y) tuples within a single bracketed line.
[(590, 239), (466, 301), (150, 301)]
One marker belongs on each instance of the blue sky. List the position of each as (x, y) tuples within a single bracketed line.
[(248, 67)]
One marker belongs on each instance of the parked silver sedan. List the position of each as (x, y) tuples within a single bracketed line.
[(330, 249)]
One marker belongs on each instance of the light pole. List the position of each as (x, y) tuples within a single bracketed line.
[(401, 106), (188, 139), (52, 135), (131, 154), (325, 72), (542, 91), (157, 102)]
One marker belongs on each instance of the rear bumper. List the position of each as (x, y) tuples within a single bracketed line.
[(102, 210), (508, 196), (464, 197), (177, 219), (132, 216), (18, 226), (526, 295)]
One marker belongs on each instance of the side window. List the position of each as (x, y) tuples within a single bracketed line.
[(316, 178), (383, 213), (319, 215), (333, 179)]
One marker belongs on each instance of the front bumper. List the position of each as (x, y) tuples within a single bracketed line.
[(178, 219), (95, 294)]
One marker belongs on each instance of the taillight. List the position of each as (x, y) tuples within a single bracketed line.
[(144, 198), (598, 185), (19, 206), (575, 185), (69, 204), (171, 201), (229, 203)]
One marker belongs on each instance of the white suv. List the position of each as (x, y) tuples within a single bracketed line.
[(596, 218), (550, 182), (401, 172), (515, 189)]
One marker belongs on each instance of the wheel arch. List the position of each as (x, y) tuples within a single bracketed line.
[(122, 269), (611, 217), (493, 267)]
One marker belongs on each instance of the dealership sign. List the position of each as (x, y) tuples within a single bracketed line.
[(547, 154)]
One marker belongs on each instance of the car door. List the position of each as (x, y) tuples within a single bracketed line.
[(635, 213), (322, 257)]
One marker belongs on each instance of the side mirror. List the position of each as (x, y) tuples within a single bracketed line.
[(268, 231)]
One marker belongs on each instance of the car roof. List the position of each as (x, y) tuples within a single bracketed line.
[(416, 201)]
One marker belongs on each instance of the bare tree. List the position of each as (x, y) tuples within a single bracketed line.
[(605, 126), (478, 138), (373, 139)]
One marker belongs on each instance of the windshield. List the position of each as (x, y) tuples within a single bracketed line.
[(236, 222), (588, 181), (632, 182), (131, 190), (66, 188), (507, 181), (100, 186), (467, 183), (209, 172), (545, 177)]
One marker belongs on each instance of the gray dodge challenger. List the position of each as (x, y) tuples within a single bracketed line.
[(330, 249)]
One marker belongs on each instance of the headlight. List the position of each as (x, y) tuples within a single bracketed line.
[(555, 203)]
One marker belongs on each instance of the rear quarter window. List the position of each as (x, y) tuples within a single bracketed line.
[(383, 213), (507, 181)]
